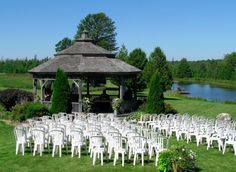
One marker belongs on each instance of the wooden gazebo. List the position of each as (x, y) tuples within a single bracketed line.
[(83, 60)]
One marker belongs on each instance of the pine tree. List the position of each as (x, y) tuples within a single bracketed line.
[(155, 102), (61, 100)]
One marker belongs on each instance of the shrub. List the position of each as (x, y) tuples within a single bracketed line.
[(18, 111), (155, 102), (170, 109), (36, 110), (11, 97), (61, 100), (24, 111), (178, 159)]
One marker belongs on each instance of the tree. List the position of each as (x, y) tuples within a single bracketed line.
[(155, 102), (123, 53), (138, 59), (184, 70), (101, 29), (61, 100), (63, 44), (157, 61)]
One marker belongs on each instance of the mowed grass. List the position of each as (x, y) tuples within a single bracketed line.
[(209, 161), (22, 81), (198, 106)]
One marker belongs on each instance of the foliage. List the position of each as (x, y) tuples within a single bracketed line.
[(138, 59), (2, 110), (63, 44), (179, 159), (11, 97), (27, 110), (122, 53), (170, 109), (135, 115), (155, 102), (19, 65), (184, 70), (116, 103), (157, 61), (86, 104), (101, 29), (215, 69), (61, 98)]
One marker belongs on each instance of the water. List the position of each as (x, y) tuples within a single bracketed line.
[(208, 92)]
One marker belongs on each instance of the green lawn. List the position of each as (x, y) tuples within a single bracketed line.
[(199, 107), (211, 160)]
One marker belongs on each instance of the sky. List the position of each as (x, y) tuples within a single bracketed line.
[(194, 29)]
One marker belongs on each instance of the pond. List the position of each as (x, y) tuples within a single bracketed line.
[(207, 91)]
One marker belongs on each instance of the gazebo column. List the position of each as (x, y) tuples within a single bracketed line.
[(88, 87), (79, 86), (35, 89), (135, 89), (42, 83), (122, 85)]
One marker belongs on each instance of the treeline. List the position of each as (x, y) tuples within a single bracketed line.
[(20, 65), (224, 69)]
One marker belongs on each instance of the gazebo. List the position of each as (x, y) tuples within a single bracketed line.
[(83, 61)]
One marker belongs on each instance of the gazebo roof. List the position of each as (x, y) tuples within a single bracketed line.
[(84, 58)]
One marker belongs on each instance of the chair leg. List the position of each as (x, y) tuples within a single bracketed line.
[(23, 149), (114, 163), (94, 157), (60, 150), (72, 151), (123, 159), (79, 151), (53, 150), (101, 158), (135, 156), (41, 149), (17, 148), (142, 159)]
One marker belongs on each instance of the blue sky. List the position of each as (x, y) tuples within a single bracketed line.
[(194, 29)]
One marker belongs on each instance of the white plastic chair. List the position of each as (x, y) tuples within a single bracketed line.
[(21, 139), (118, 148), (57, 140), (97, 147), (77, 140), (38, 137), (139, 145)]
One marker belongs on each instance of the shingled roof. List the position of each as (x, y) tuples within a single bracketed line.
[(84, 58)]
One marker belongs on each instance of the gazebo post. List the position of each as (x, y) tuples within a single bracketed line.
[(79, 86), (35, 89), (42, 83), (135, 89), (88, 86), (121, 88), (80, 95)]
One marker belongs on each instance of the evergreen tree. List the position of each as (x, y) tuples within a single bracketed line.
[(155, 102), (61, 100), (101, 29), (157, 61), (123, 53), (184, 70), (138, 59), (63, 44)]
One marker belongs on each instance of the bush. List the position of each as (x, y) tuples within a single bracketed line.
[(179, 159), (11, 97), (36, 110), (61, 98), (24, 111), (170, 109), (155, 102)]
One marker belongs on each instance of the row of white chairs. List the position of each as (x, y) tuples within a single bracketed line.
[(105, 134)]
